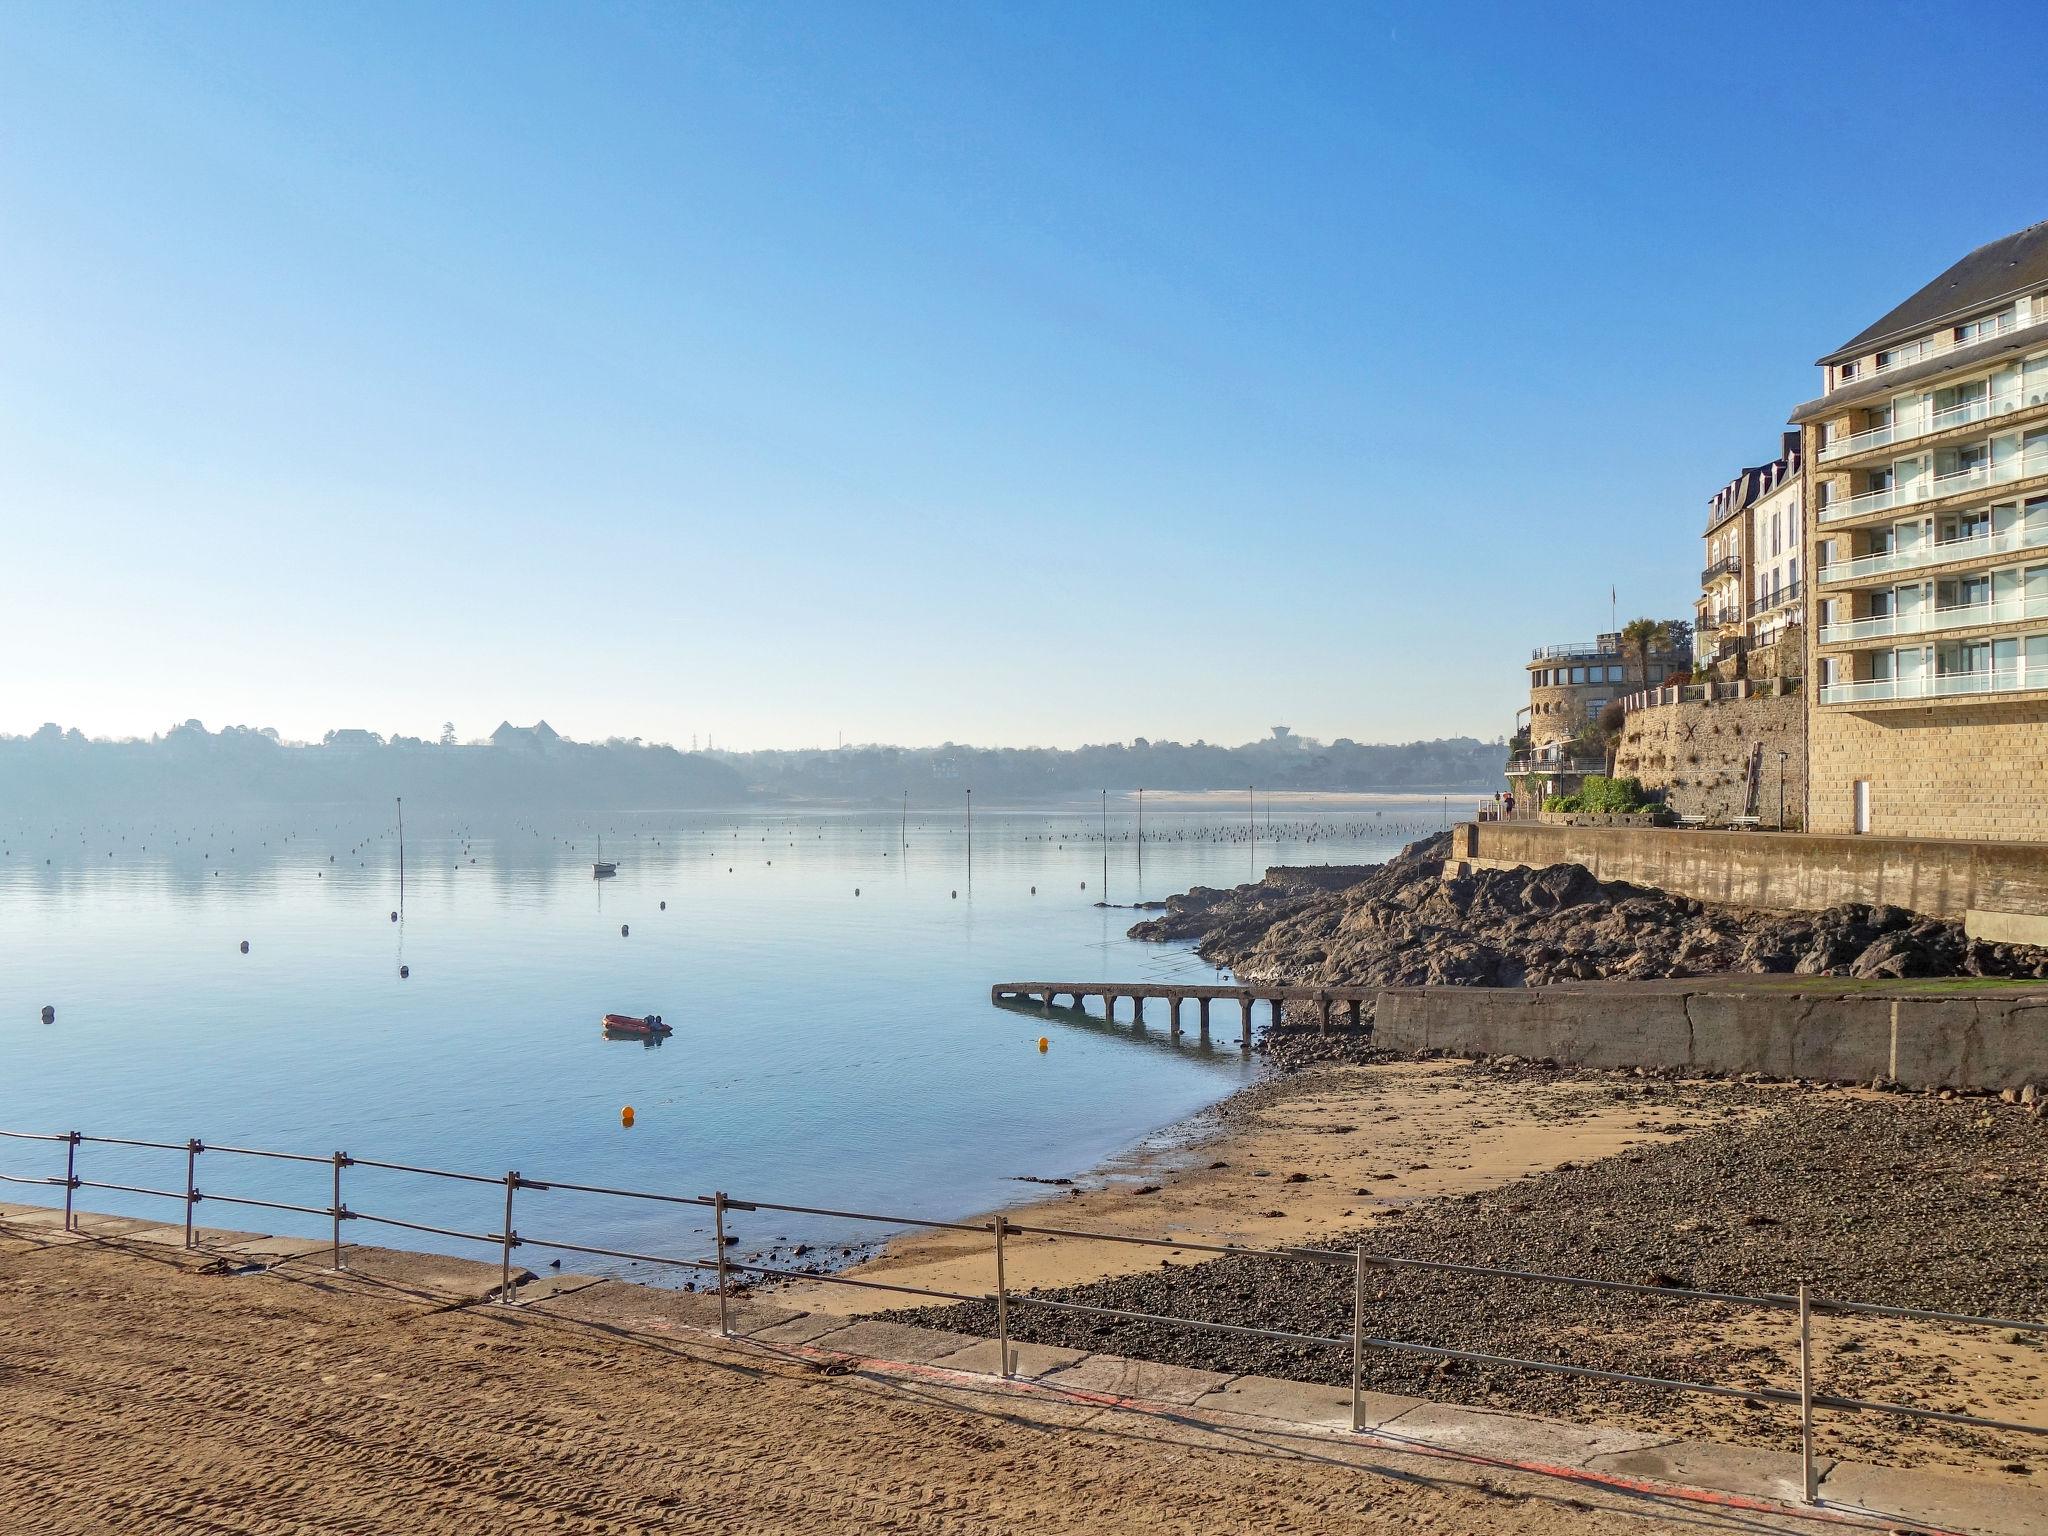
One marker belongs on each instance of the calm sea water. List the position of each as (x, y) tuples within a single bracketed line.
[(834, 1043)]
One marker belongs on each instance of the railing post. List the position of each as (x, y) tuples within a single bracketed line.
[(718, 1220), (192, 1150), (1002, 1304), (340, 1162), (505, 1252), (1357, 1338), (70, 1179), (1811, 1491)]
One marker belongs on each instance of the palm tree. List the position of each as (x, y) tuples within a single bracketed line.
[(1644, 636)]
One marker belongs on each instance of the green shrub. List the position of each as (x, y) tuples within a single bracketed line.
[(1599, 795)]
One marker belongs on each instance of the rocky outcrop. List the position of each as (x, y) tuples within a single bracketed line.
[(1404, 924)]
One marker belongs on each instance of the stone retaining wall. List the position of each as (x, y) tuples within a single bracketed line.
[(1983, 1039), (1997, 890)]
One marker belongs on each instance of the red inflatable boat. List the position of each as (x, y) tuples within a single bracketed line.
[(626, 1024)]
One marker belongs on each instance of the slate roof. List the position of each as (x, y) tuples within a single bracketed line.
[(1981, 280)]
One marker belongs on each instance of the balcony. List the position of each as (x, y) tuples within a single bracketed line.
[(1517, 766), (2027, 534), (1573, 650), (2020, 466), (1933, 346), (2018, 678), (1925, 423), (1787, 596), (2011, 610), (1727, 565)]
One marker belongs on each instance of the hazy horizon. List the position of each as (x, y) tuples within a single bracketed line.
[(1017, 375)]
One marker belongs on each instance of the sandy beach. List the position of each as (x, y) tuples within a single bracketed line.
[(1289, 1160), (151, 1392)]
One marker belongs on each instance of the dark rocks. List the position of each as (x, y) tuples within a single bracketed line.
[(1902, 1201), (1403, 923)]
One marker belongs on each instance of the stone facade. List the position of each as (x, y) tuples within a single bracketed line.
[(1926, 619), (1955, 769), (1698, 754)]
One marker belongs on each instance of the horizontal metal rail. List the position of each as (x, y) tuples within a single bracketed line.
[(415, 1226), (599, 1189), (1001, 1228), (1939, 1415), (732, 1204), (286, 1157), (1872, 1309), (436, 1173), (180, 1195), (865, 1285), (267, 1205), (1311, 1255), (614, 1253), (1180, 1322)]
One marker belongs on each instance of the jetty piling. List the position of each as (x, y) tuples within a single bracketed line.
[(1046, 995)]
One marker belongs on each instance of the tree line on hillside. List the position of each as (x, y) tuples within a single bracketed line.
[(522, 768), (59, 770), (1280, 762)]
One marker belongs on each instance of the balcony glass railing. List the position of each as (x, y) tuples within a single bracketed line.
[(1912, 352), (1925, 423), (1922, 621), (1955, 482), (2030, 533), (2017, 678)]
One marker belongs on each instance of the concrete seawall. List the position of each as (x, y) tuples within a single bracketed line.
[(1997, 890), (1981, 1038)]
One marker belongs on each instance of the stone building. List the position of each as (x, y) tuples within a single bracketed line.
[(1570, 684), (1926, 484), (1749, 604)]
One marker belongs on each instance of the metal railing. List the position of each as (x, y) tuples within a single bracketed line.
[(1944, 340), (1806, 1396), (1925, 620), (1783, 597), (2024, 465), (2019, 678), (1925, 422), (1727, 565), (2025, 533)]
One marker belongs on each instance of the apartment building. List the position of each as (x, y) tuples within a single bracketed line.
[(1750, 592), (1926, 485), (1775, 557)]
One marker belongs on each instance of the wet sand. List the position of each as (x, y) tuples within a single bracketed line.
[(1289, 1161)]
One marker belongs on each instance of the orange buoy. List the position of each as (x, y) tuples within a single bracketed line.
[(626, 1115), (1044, 1045)]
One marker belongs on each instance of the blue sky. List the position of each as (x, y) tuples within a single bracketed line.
[(1029, 374)]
